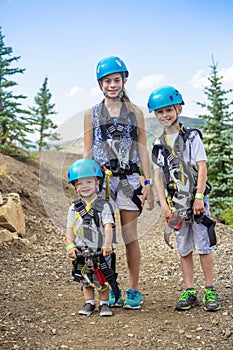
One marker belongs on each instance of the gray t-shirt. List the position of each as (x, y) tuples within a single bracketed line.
[(105, 217), (194, 150)]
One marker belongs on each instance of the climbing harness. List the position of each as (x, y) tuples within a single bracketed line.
[(119, 150), (90, 263), (93, 267), (90, 236), (180, 178)]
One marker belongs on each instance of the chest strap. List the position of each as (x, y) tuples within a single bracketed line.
[(88, 213)]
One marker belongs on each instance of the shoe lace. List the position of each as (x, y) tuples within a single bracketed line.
[(131, 294), (210, 295), (186, 295)]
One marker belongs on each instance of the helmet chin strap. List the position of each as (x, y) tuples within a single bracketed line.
[(176, 120), (113, 98)]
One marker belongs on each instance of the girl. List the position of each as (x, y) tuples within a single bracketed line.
[(114, 135)]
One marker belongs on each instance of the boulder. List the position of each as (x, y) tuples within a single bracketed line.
[(11, 214), (7, 236)]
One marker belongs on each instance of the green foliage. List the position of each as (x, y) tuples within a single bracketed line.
[(218, 139), (227, 216), (40, 114), (14, 120)]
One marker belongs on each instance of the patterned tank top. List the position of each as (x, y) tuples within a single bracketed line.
[(99, 151)]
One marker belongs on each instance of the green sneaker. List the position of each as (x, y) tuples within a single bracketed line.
[(187, 300), (112, 299), (210, 300), (133, 299)]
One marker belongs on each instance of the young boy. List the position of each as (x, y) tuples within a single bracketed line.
[(89, 228), (180, 181)]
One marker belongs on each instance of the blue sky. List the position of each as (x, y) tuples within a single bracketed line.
[(161, 42)]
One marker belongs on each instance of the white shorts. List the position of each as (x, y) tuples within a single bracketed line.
[(118, 199)]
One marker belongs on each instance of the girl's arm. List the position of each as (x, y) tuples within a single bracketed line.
[(88, 134), (145, 161), (160, 190)]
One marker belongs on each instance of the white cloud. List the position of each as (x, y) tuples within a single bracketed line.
[(74, 91), (150, 82), (200, 80), (227, 74)]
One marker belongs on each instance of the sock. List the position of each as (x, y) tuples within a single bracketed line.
[(92, 302), (102, 302), (190, 288), (209, 287)]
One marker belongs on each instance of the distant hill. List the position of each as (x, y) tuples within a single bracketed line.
[(154, 128), (71, 130)]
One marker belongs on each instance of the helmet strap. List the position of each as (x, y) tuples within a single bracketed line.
[(176, 120)]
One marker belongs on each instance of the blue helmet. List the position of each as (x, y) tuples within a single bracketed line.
[(163, 97), (110, 65), (83, 168)]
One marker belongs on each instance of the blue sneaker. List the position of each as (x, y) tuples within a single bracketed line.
[(112, 299), (133, 299)]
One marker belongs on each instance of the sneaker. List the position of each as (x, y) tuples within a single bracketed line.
[(210, 300), (105, 310), (133, 299), (112, 299), (187, 300), (87, 310)]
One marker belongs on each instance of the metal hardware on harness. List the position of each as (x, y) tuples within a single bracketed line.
[(123, 161), (167, 233), (88, 270), (81, 234)]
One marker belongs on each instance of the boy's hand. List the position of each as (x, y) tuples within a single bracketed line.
[(107, 250), (167, 212), (72, 253), (198, 206)]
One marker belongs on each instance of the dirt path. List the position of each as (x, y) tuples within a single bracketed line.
[(40, 302)]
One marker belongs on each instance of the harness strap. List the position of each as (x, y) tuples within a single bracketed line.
[(129, 192), (110, 277), (93, 280), (177, 173), (88, 213), (124, 184), (109, 125), (82, 211)]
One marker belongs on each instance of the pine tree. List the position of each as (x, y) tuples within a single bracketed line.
[(218, 139), (41, 113), (14, 120)]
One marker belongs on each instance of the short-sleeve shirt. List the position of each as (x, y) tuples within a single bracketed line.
[(194, 149), (105, 217)]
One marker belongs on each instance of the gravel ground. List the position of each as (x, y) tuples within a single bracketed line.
[(40, 302)]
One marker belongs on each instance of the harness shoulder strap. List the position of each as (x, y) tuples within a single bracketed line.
[(185, 132), (98, 206)]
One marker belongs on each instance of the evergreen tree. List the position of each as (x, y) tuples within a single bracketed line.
[(14, 120), (218, 139), (41, 113)]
